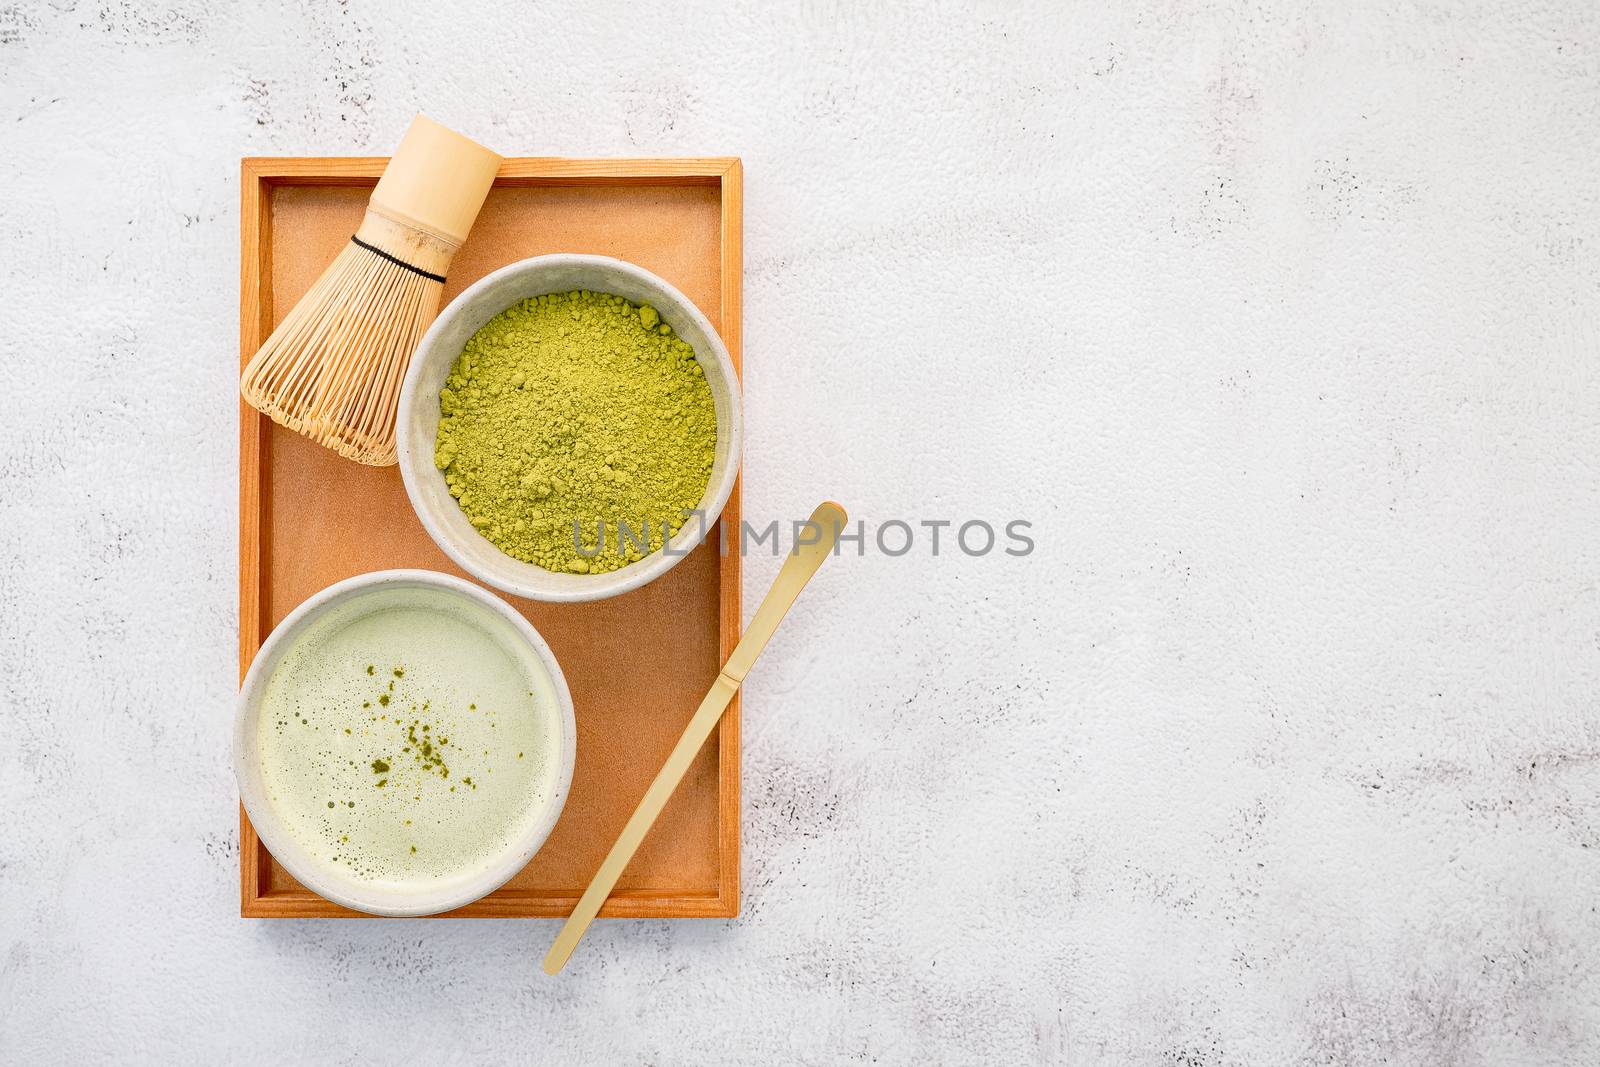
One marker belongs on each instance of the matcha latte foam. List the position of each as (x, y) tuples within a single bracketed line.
[(579, 411), (408, 736)]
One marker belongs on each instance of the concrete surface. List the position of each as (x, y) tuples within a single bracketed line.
[(1277, 321)]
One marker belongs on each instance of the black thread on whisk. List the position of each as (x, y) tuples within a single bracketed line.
[(396, 260)]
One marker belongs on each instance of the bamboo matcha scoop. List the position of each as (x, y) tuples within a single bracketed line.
[(829, 519)]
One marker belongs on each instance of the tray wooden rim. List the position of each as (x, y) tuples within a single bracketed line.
[(258, 175)]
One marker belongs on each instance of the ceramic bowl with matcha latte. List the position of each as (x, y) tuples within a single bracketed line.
[(429, 466), (404, 742)]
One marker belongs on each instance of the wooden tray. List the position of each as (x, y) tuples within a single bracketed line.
[(308, 518)]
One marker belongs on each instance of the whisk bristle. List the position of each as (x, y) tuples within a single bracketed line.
[(333, 368)]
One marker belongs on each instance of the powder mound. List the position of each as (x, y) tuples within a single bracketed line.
[(576, 408)]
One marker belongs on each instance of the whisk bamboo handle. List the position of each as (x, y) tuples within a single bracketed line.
[(405, 245), (436, 182), (827, 520), (427, 198)]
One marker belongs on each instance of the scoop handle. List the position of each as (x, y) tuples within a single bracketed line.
[(826, 521)]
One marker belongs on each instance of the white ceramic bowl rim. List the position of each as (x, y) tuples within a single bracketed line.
[(287, 850), (425, 486)]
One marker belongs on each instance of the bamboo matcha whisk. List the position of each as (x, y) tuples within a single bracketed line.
[(332, 369)]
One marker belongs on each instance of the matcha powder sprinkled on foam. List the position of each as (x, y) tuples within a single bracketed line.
[(576, 408)]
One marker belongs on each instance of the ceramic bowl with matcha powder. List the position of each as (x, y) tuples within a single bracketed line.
[(570, 427), (404, 742)]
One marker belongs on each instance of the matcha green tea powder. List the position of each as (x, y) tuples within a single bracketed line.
[(576, 407)]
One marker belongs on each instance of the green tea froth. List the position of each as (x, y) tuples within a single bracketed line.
[(408, 736)]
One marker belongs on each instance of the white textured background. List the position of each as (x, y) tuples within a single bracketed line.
[(1279, 322)]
